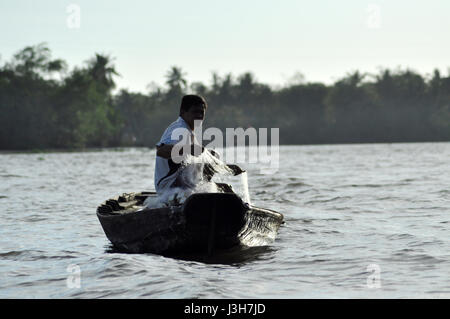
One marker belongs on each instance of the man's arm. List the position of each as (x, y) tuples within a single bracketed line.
[(165, 150)]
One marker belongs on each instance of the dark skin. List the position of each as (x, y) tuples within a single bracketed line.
[(195, 112)]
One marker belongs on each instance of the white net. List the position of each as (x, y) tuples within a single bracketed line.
[(191, 178)]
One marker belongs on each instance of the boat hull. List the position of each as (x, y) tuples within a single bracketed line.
[(204, 223)]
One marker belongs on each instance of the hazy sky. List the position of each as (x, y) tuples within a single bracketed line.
[(273, 39)]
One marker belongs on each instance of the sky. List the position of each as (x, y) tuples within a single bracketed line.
[(275, 40)]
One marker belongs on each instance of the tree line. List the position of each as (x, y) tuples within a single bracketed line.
[(46, 106)]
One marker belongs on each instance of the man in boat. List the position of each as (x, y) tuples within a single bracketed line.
[(167, 169)]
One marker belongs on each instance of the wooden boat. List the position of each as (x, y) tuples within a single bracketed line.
[(205, 222)]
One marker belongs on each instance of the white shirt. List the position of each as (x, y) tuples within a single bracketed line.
[(165, 168)]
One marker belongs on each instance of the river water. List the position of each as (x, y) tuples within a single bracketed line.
[(362, 221)]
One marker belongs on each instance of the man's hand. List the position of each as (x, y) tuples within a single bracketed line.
[(196, 149), (235, 169)]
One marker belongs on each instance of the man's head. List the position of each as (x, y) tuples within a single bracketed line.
[(193, 107)]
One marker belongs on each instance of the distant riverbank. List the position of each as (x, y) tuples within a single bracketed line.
[(142, 148), (45, 106)]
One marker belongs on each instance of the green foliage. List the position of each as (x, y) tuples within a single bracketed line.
[(43, 106), (41, 112)]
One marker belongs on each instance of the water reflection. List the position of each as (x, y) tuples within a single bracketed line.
[(236, 256)]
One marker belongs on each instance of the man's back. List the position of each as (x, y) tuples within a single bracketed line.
[(165, 169)]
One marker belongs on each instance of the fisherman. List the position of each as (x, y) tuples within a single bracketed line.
[(167, 168)]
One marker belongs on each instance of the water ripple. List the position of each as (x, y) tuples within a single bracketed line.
[(345, 209)]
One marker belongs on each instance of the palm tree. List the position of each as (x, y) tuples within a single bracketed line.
[(34, 61), (102, 70), (175, 80), (246, 82)]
